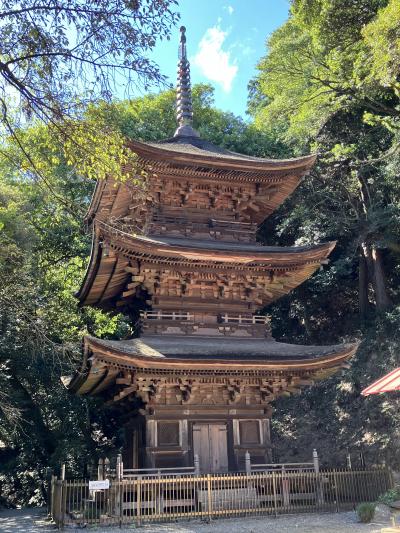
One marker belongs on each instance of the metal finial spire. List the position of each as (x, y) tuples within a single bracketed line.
[(184, 110)]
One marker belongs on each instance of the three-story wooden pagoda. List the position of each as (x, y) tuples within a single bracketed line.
[(179, 255)]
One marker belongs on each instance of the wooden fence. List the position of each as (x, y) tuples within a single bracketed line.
[(150, 498)]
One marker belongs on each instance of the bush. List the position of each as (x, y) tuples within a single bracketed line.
[(390, 496), (365, 512)]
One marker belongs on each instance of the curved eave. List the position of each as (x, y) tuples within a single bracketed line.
[(210, 251), (92, 268), (157, 153), (102, 368), (95, 200), (106, 276), (143, 362)]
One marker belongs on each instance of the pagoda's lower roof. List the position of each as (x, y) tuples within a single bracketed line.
[(105, 360), (189, 347)]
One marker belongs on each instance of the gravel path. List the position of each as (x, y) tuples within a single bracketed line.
[(34, 521)]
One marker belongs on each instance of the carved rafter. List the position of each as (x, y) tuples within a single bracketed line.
[(217, 391), (235, 389), (256, 288)]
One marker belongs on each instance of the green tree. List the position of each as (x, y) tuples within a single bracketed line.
[(330, 80), (58, 57), (318, 81)]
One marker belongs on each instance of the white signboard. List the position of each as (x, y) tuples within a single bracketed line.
[(99, 485)]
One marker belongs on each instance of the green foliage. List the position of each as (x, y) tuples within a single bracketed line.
[(43, 254), (56, 60), (324, 80), (390, 496), (365, 512), (382, 36), (327, 57)]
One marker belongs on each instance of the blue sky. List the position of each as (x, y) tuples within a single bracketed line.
[(225, 40)]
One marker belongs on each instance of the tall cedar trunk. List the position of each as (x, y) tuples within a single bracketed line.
[(373, 258), (363, 286), (381, 295)]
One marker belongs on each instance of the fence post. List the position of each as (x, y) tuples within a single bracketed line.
[(315, 461), (100, 469), (335, 481), (52, 483), (63, 497), (106, 468), (348, 461), (247, 462), (274, 489), (209, 497), (119, 472), (196, 464), (319, 484), (138, 500)]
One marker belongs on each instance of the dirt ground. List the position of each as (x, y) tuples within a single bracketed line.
[(34, 521)]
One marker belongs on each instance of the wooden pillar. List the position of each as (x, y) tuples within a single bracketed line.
[(118, 496), (319, 484), (316, 461), (151, 442), (196, 464), (247, 462)]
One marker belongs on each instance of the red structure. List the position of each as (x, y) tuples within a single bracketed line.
[(389, 383)]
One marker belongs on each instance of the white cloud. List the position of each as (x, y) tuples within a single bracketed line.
[(229, 9), (214, 62)]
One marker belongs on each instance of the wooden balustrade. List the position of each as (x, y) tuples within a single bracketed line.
[(222, 319)]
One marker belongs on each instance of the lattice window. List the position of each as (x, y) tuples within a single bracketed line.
[(168, 433), (249, 431)]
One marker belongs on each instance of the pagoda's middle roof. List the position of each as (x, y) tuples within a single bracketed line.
[(222, 250), (107, 273)]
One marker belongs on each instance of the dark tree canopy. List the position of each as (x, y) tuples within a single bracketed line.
[(329, 83)]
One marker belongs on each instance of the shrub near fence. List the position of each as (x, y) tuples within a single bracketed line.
[(184, 496)]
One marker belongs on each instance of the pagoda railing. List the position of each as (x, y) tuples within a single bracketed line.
[(240, 319), (163, 315), (231, 225), (222, 319)]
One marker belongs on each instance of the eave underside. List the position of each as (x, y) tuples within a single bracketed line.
[(275, 180), (107, 362), (115, 255)]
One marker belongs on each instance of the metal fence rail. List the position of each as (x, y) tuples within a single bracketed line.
[(147, 498)]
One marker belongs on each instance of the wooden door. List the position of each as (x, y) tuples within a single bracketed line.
[(211, 445)]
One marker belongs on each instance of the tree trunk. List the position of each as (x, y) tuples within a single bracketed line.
[(363, 286), (381, 295), (373, 258)]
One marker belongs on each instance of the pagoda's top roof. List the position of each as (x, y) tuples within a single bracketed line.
[(191, 150)]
